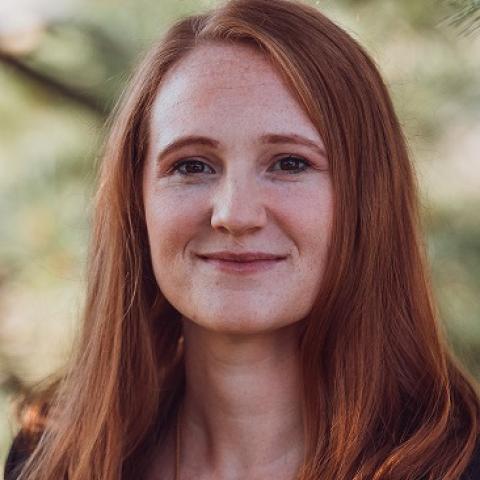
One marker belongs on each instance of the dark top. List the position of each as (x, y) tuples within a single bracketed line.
[(473, 470), (18, 454), (21, 449)]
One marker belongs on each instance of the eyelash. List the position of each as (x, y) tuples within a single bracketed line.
[(180, 163)]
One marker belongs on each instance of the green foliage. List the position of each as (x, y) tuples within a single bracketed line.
[(466, 15)]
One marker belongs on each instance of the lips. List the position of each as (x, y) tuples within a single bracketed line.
[(241, 257), (242, 263)]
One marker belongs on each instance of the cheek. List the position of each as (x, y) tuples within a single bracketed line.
[(170, 218), (317, 223), (309, 213), (168, 233), (310, 218), (313, 223)]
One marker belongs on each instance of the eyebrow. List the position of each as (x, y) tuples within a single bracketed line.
[(292, 138), (266, 139)]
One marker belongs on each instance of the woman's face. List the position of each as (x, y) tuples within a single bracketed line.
[(235, 165)]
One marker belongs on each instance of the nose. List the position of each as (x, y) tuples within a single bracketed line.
[(238, 205)]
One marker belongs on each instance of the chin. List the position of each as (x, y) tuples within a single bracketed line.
[(231, 324)]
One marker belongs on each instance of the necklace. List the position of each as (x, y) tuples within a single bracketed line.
[(177, 446)]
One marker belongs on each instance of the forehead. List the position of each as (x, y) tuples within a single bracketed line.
[(221, 87)]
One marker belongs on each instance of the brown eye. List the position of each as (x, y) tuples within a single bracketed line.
[(190, 167), (292, 164)]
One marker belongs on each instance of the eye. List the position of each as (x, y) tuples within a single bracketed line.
[(189, 167), (290, 163)]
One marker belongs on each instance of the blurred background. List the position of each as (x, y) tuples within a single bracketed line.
[(63, 64)]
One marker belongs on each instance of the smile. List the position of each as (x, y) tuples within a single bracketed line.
[(234, 266)]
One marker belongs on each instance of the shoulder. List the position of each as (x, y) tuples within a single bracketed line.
[(473, 470), (21, 448), (32, 413)]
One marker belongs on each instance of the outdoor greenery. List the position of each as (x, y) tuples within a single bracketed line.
[(60, 78)]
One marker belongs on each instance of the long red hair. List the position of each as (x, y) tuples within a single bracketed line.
[(384, 396)]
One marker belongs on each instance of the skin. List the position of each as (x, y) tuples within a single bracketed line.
[(242, 415)]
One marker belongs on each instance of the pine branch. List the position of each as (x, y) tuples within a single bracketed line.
[(467, 16)]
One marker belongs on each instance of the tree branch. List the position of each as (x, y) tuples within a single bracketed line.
[(54, 86)]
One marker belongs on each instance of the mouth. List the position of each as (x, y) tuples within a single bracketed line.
[(241, 266)]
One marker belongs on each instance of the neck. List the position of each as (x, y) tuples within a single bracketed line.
[(242, 415)]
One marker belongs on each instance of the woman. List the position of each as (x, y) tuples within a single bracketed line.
[(258, 303)]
